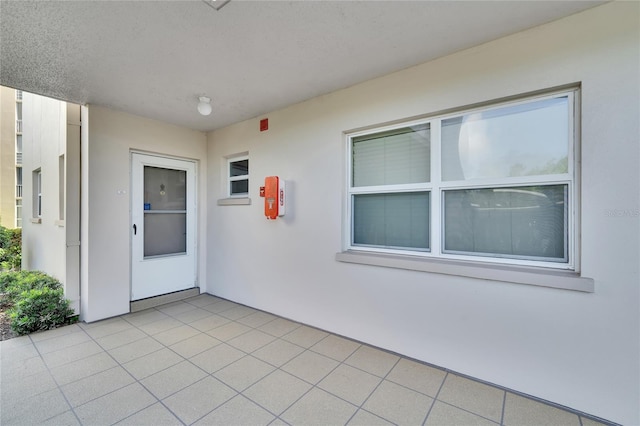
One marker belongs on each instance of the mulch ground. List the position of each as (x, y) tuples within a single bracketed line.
[(5, 326)]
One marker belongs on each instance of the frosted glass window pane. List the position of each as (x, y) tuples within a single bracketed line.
[(165, 233), (395, 157), (519, 222), (165, 189), (398, 220), (521, 140)]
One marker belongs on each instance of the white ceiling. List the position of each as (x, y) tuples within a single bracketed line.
[(153, 58)]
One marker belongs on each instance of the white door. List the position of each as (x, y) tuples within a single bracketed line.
[(163, 218)]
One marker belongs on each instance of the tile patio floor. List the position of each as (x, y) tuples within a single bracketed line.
[(206, 360)]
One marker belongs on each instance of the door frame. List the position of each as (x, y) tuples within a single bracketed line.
[(196, 235)]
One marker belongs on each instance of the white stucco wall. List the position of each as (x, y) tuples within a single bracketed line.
[(44, 140), (577, 349), (106, 201)]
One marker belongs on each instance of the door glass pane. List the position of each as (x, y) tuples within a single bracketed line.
[(165, 189), (395, 157), (399, 220), (519, 140), (519, 222), (165, 233)]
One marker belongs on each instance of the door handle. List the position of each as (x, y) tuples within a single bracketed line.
[(135, 229)]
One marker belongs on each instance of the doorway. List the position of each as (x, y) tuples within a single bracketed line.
[(163, 225)]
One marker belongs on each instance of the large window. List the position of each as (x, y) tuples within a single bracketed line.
[(492, 184)]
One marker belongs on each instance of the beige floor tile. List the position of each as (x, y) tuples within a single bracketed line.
[(176, 335), (336, 347), (279, 327), (444, 414), (398, 405), (121, 338), (305, 336), (25, 387), (65, 356), (319, 408), (418, 377), (175, 308), (228, 331), (524, 411), (16, 342), (62, 342), (365, 418), (173, 379), (194, 345), (278, 352), (199, 399), (209, 323), (350, 384), (278, 422), (83, 368), (257, 319), (244, 372), (56, 332), (100, 323), (17, 368), (590, 422), (277, 391), (65, 419), (92, 387), (202, 300), (217, 357), (476, 397), (134, 350), (115, 406), (107, 329), (192, 315), (220, 306), (145, 317), (310, 366), (251, 341), (372, 360), (160, 326), (238, 411), (17, 353), (150, 364), (155, 415), (34, 410), (237, 312)]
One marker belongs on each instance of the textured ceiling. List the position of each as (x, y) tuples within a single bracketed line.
[(154, 58)]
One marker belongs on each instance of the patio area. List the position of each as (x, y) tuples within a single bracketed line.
[(206, 360)]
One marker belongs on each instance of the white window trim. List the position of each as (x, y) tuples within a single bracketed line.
[(235, 199), (564, 275)]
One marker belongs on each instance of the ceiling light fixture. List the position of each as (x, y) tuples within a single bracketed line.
[(216, 4), (204, 106)]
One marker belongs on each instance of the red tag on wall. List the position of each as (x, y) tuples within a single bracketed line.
[(264, 124)]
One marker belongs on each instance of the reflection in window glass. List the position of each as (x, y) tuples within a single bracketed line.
[(517, 222), (165, 189), (520, 140), (398, 156)]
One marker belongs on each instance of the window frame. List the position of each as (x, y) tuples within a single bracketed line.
[(437, 186), (230, 178)]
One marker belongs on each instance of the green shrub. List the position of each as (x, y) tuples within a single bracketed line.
[(40, 309), (10, 249), (14, 283)]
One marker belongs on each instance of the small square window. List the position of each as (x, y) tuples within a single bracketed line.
[(238, 176)]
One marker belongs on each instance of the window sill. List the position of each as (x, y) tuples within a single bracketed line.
[(59, 223), (240, 201), (36, 220), (567, 280)]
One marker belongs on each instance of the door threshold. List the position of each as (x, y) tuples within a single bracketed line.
[(152, 302)]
